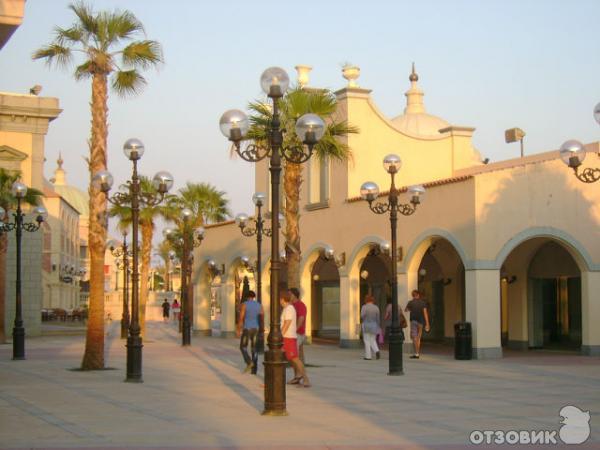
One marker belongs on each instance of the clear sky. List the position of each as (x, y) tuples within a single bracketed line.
[(488, 64)]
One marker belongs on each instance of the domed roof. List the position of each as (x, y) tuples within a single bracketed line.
[(76, 197), (415, 120), (421, 124)]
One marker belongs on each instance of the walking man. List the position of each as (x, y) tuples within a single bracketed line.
[(419, 317), (290, 344), (166, 307), (300, 308), (248, 326)]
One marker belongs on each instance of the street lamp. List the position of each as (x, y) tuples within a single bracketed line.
[(121, 250), (19, 191), (310, 128), (257, 228), (162, 182), (369, 191), (572, 153)]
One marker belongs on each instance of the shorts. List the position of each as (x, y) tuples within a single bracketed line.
[(301, 339), (290, 348), (416, 329)]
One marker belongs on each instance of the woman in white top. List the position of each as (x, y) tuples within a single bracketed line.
[(369, 314)]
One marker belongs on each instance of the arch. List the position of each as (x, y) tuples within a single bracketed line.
[(422, 242), (361, 249), (310, 255), (573, 246)]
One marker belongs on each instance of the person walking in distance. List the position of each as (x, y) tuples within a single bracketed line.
[(175, 309), (419, 318), (290, 344), (166, 307), (300, 308), (369, 314), (248, 326)]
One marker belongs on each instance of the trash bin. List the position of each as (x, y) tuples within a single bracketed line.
[(463, 338)]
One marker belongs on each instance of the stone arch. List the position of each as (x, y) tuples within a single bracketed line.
[(421, 244), (573, 246)]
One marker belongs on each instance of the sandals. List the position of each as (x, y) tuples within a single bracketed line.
[(295, 380)]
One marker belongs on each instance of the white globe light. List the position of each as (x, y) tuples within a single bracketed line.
[(241, 219), (572, 153), (310, 128), (259, 198), (597, 113), (234, 124), (274, 82), (392, 163), (369, 191), (18, 189), (163, 181), (103, 180), (133, 149)]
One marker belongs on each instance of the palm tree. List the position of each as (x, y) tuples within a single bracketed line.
[(164, 252), (293, 105), (96, 36), (208, 205), (147, 217), (8, 202)]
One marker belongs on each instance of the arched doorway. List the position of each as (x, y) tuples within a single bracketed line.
[(441, 281), (325, 299), (376, 278), (541, 297)]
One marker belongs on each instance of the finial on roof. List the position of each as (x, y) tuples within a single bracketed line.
[(60, 178), (303, 72), (59, 161), (413, 76)]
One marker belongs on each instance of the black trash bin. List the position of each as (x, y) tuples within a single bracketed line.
[(463, 341)]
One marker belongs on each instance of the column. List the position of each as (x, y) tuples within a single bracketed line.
[(483, 311), (590, 313), (349, 312)]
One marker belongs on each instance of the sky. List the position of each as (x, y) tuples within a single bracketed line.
[(492, 65)]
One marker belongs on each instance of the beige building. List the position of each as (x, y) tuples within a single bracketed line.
[(61, 266), (511, 246)]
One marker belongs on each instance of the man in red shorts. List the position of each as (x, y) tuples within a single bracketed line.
[(290, 344)]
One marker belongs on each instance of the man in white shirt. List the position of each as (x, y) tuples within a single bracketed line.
[(290, 345)]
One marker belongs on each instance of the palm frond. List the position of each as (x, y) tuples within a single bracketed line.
[(128, 82), (87, 19), (121, 25), (142, 54), (54, 54), (83, 71), (64, 36)]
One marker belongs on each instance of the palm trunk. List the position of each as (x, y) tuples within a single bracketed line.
[(147, 231), (292, 180), (3, 248), (93, 358)]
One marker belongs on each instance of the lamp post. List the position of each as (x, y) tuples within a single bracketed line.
[(190, 239), (19, 191), (257, 229), (122, 251), (162, 182), (369, 191), (572, 153), (309, 129)]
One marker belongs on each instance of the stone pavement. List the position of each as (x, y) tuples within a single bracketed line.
[(197, 397)]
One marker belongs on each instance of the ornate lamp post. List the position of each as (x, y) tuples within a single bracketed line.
[(369, 191), (19, 190), (573, 153), (122, 251), (190, 239), (257, 229), (162, 181), (309, 128)]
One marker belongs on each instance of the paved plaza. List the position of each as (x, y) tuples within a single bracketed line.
[(198, 397)]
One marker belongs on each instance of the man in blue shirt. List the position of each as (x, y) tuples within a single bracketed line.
[(248, 326)]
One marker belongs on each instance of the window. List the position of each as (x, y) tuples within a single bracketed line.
[(318, 183)]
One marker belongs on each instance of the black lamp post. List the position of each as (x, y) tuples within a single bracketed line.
[(19, 190), (122, 251), (369, 191), (573, 153), (257, 229), (190, 239), (162, 181), (309, 129)]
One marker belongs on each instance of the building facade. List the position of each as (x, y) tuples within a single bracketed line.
[(510, 246)]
